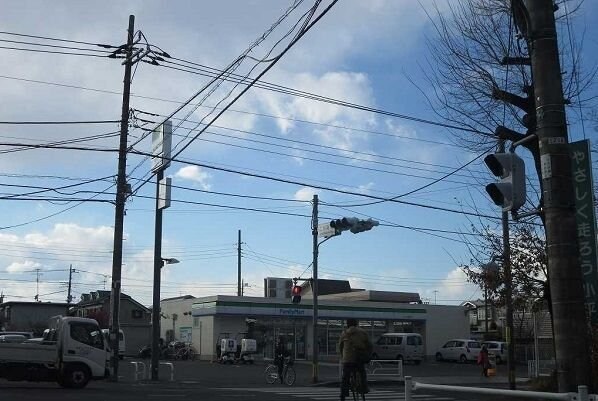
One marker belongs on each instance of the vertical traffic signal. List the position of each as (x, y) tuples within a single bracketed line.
[(509, 192), (296, 294)]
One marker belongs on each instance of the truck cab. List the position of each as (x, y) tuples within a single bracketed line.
[(72, 353)]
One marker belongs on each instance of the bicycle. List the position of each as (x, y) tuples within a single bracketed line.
[(186, 352), (288, 373), (356, 386)]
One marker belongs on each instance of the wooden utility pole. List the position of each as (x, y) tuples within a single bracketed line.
[(536, 21), (119, 214)]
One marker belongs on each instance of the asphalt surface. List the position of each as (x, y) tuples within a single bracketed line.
[(200, 380)]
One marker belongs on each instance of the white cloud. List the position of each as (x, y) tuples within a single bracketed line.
[(305, 194), (196, 174), (18, 267), (454, 289)]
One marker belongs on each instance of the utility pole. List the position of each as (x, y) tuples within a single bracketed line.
[(158, 263), (119, 214), (69, 297), (314, 289), (564, 270), (37, 274), (239, 284)]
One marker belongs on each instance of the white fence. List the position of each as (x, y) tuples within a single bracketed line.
[(540, 368), (581, 395), (380, 368)]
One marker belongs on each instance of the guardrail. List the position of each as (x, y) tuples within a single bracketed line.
[(379, 368), (581, 395)]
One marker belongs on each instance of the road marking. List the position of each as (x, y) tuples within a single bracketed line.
[(328, 393)]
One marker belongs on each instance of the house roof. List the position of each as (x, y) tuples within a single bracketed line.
[(178, 298), (326, 286), (105, 296), (376, 296)]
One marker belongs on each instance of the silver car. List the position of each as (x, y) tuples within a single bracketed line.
[(459, 350)]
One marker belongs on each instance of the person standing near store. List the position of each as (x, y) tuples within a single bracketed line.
[(280, 353), (355, 349)]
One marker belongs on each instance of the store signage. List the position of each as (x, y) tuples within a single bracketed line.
[(291, 312)]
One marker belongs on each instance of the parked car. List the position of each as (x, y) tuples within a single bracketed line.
[(459, 350), (498, 349), (403, 346), (12, 338)]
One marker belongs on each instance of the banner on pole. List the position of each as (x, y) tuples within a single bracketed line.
[(585, 216)]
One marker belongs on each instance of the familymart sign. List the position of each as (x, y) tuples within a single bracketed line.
[(586, 223)]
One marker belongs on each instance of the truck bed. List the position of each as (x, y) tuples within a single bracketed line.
[(28, 352)]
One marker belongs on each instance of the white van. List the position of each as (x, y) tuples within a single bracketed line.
[(404, 346), (121, 341)]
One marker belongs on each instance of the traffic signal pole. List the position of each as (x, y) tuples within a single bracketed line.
[(314, 289), (564, 270)]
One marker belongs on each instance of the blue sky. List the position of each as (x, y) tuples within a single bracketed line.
[(361, 52)]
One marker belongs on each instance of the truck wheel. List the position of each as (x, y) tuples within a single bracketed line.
[(75, 376)]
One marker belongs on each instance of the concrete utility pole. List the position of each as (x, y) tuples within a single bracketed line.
[(119, 214), (158, 263), (239, 284), (566, 287), (69, 297), (314, 289)]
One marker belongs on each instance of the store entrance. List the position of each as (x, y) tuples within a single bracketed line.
[(293, 335)]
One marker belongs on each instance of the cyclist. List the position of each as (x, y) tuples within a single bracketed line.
[(280, 353), (355, 349)]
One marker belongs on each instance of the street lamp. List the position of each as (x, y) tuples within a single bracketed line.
[(169, 261), (156, 318)]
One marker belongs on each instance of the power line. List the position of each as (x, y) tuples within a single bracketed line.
[(59, 122), (106, 46), (286, 118), (53, 52)]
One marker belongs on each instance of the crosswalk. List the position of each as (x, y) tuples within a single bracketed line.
[(327, 393)]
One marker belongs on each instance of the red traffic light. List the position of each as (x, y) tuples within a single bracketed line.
[(296, 294)]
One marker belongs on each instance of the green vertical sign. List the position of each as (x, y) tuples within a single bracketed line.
[(583, 185)]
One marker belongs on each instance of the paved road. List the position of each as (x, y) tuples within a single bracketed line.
[(211, 381)]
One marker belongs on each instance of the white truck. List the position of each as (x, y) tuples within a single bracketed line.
[(73, 353)]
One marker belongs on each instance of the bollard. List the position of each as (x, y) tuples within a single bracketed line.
[(582, 392), (408, 385)]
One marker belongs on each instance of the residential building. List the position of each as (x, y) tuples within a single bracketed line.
[(29, 316), (135, 318)]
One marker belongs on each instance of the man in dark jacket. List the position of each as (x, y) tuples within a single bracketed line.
[(280, 353), (355, 349)]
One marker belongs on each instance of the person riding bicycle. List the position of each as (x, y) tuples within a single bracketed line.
[(355, 349), (280, 353)]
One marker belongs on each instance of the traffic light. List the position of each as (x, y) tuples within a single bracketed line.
[(509, 192), (353, 224), (346, 223), (296, 294)]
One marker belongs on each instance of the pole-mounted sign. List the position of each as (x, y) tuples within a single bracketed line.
[(585, 215), (161, 146)]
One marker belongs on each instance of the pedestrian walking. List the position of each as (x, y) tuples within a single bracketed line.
[(484, 360)]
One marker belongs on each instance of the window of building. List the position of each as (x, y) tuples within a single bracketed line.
[(271, 283), (196, 322), (272, 292), (287, 293), (137, 313)]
